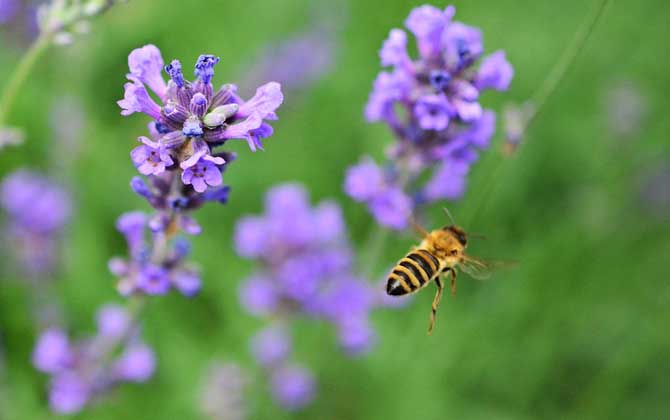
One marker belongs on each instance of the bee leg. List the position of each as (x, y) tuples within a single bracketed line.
[(452, 272), (436, 302)]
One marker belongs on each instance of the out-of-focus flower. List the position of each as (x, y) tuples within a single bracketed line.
[(222, 395), (154, 268), (8, 9), (37, 210), (296, 62), (84, 369), (65, 18), (293, 387), (626, 109), (432, 105), (305, 272)]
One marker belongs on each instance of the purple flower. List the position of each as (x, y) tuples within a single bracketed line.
[(432, 105), (136, 364), (203, 173), (271, 346), (146, 65), (427, 23), (364, 181), (8, 9), (150, 158), (204, 67), (52, 352), (68, 394), (113, 321), (137, 99), (433, 112), (495, 72), (293, 387), (35, 202), (37, 210), (187, 282), (394, 50), (153, 280), (132, 225), (258, 296), (82, 370)]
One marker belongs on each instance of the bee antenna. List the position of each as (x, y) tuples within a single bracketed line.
[(446, 210)]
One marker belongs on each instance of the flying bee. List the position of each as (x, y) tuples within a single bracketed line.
[(441, 252)]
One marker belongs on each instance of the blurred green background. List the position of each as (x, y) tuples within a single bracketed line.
[(578, 330)]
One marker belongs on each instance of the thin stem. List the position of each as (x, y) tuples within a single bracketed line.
[(541, 95), (560, 69), (21, 73)]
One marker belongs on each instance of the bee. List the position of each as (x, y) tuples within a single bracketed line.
[(441, 252)]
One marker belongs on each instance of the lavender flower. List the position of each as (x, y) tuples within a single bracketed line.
[(222, 396), (293, 387), (37, 211), (8, 9), (193, 119), (432, 105), (305, 272), (152, 267), (62, 19), (182, 168), (85, 369)]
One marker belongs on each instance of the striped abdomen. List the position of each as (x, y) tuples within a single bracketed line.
[(412, 273)]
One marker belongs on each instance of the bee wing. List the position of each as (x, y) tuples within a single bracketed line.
[(482, 269)]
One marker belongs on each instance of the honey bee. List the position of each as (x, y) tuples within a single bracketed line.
[(441, 252)]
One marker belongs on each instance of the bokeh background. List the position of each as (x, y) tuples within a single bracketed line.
[(577, 330)]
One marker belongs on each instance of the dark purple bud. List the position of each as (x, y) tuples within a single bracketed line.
[(220, 194), (198, 105), (174, 71), (223, 95), (162, 128), (140, 187), (178, 203), (204, 67), (439, 79), (175, 112)]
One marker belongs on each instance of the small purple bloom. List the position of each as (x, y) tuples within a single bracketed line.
[(364, 180), (271, 346), (259, 296), (113, 321), (150, 158), (68, 394), (394, 50), (137, 99), (146, 64), (495, 72), (264, 103), (448, 181), (136, 364), (433, 112), (174, 71), (132, 225), (427, 24), (52, 352), (463, 45), (202, 174), (293, 387), (204, 67), (153, 280), (392, 208), (187, 282)]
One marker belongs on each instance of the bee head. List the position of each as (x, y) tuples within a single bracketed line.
[(458, 233)]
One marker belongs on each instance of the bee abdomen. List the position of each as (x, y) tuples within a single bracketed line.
[(412, 273)]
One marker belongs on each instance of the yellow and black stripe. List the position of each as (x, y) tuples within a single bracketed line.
[(412, 273)]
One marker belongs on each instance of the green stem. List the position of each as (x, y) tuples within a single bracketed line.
[(560, 69), (540, 97), (21, 73)]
